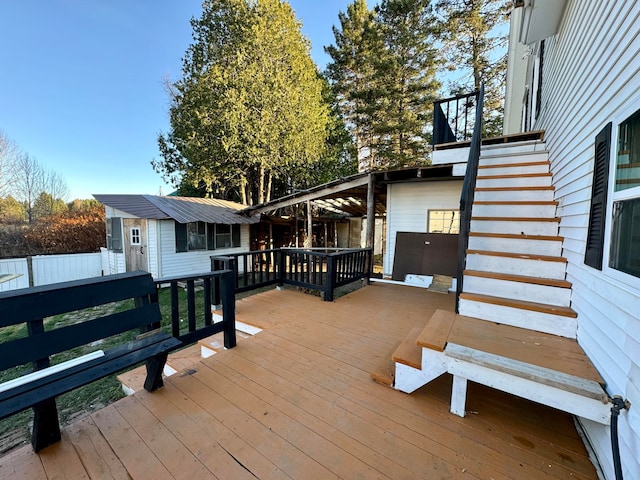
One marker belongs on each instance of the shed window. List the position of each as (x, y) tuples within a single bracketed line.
[(114, 234), (206, 236), (443, 221)]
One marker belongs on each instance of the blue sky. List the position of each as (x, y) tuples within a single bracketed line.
[(81, 82)]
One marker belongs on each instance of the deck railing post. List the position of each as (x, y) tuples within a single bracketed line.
[(216, 265), (331, 278), (228, 288), (281, 268)]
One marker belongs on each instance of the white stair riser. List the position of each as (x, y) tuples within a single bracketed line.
[(498, 157), (526, 211), (525, 147), (542, 322), (515, 227), (537, 181), (516, 266), (529, 292), (514, 170), (516, 245), (514, 196)]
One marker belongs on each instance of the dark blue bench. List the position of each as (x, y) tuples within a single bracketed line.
[(31, 306)]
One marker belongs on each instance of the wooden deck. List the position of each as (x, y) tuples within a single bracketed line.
[(297, 401)]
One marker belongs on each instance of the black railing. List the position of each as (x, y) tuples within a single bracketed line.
[(466, 197), (317, 269), (218, 289), (453, 118)]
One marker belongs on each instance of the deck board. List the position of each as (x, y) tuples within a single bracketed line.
[(296, 401)]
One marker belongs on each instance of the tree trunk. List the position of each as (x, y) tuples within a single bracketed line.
[(261, 186), (269, 185), (243, 190)]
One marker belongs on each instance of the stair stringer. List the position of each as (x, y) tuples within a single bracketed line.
[(409, 379)]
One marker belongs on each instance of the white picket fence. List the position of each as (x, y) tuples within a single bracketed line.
[(52, 269)]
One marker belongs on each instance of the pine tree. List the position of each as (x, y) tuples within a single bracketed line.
[(352, 75), (249, 108), (474, 35), (406, 69)]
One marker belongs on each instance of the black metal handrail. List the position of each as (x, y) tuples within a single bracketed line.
[(218, 290), (451, 118), (467, 195), (316, 269)]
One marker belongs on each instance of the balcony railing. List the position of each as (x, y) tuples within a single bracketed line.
[(454, 118), (317, 269)]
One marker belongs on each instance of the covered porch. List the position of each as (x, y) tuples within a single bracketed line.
[(297, 401)]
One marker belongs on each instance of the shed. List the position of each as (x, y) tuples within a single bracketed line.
[(170, 235)]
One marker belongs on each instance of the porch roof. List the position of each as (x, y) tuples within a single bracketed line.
[(348, 196)]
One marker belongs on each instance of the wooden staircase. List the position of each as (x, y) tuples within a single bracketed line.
[(516, 330)]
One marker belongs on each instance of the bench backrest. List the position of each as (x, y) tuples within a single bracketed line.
[(33, 305)]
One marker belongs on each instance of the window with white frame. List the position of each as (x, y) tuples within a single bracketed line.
[(624, 245), (443, 221), (134, 233)]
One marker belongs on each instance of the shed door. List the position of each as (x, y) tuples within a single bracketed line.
[(135, 238)]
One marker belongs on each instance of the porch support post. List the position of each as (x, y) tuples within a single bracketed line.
[(309, 241), (371, 220)]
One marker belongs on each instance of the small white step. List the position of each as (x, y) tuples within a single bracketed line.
[(514, 169), (514, 209), (537, 180), (534, 266), (514, 195), (497, 157), (514, 226), (517, 317), (517, 290), (516, 244)]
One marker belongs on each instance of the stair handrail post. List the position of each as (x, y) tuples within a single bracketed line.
[(228, 294), (467, 195)]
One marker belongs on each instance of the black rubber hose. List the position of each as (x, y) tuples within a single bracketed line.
[(618, 405)]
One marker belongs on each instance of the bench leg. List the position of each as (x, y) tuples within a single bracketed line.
[(46, 429), (458, 395), (155, 366)]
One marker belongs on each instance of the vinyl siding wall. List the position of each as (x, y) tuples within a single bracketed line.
[(591, 77), (407, 205), (187, 263)]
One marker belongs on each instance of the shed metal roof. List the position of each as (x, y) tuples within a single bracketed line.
[(181, 209)]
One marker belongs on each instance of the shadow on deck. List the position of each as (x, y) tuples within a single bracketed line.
[(297, 401)]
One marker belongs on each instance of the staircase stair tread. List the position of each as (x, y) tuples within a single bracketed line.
[(513, 175), (524, 256), (509, 189), (385, 373), (517, 219), (408, 352), (519, 164), (517, 236), (521, 304), (436, 332), (544, 350), (519, 278), (515, 202)]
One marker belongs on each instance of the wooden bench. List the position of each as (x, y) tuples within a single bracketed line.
[(43, 339), (541, 367)]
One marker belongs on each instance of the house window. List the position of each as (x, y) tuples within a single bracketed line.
[(135, 235), (443, 221), (206, 236), (196, 236), (624, 248)]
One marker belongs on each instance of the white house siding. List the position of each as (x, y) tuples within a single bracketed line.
[(153, 250), (591, 74), (187, 263), (407, 205)]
